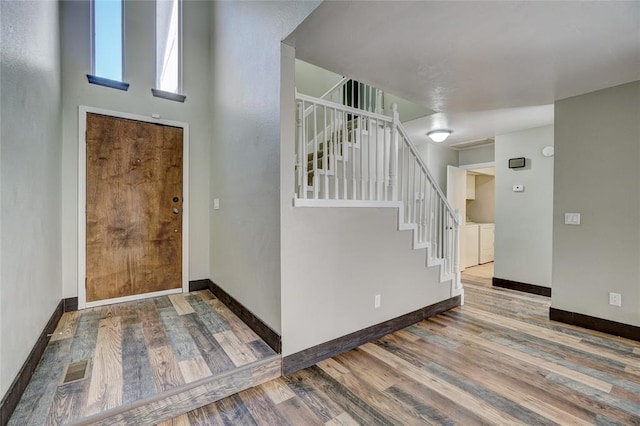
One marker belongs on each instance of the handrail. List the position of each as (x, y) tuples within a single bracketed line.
[(338, 85), (363, 113), (345, 108), (326, 94), (414, 151), (350, 155)]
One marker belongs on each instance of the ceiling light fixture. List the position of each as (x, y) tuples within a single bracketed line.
[(439, 135)]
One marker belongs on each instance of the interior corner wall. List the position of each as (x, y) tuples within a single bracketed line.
[(523, 235), (597, 175), (140, 73), (245, 149), (30, 178)]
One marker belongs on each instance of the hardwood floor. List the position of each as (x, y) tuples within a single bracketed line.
[(496, 360), (141, 351), (481, 274)]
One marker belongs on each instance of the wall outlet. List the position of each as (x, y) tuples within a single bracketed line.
[(216, 203), (615, 299), (376, 301)]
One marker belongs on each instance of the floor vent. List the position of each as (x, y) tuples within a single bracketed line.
[(75, 371)]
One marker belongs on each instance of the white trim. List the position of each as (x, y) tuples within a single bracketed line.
[(478, 165), (82, 200), (132, 298), (308, 202)]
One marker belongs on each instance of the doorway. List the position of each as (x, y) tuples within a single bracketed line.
[(133, 211), (471, 190)]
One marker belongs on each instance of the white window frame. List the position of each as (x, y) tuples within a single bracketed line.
[(180, 46), (93, 39)]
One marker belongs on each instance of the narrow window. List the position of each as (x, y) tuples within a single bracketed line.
[(107, 39), (169, 46)]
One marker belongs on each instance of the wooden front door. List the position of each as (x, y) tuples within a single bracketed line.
[(134, 207)]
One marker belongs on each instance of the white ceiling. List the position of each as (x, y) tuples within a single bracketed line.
[(486, 67), (472, 126)]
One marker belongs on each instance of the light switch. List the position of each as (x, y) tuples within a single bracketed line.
[(572, 218), (216, 203), (518, 188)]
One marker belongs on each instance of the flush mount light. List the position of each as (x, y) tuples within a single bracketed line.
[(439, 135)]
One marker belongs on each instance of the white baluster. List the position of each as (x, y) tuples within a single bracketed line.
[(456, 250), (372, 137), (334, 153), (357, 133), (362, 152), (377, 167), (303, 150), (300, 183), (343, 152), (325, 156), (316, 176), (393, 160)]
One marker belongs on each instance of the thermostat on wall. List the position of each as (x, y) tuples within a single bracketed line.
[(516, 163)]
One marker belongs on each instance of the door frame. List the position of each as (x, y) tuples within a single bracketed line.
[(83, 110)]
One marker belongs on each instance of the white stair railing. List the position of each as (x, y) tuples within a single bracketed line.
[(426, 209), (347, 156), (354, 94), (333, 163)]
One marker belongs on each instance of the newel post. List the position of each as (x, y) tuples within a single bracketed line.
[(393, 159), (301, 186)]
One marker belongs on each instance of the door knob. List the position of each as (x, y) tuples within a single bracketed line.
[(176, 210)]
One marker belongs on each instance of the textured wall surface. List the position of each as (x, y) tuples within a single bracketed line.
[(597, 175), (30, 161), (245, 149), (524, 219)]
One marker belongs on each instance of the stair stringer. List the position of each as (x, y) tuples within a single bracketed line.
[(454, 278)]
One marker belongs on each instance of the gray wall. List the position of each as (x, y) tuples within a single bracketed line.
[(437, 158), (597, 174), (335, 260), (30, 158), (140, 73), (245, 150), (483, 154), (524, 219)]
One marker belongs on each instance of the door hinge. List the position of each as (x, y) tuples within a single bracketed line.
[(85, 283)]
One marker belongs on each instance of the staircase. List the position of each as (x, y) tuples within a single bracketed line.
[(348, 154)]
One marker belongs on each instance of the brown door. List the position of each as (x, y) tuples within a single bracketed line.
[(134, 207)]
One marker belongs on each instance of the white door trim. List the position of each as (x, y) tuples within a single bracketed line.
[(83, 110)]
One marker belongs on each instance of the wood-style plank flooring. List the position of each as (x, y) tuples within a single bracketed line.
[(496, 360), (136, 351)]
